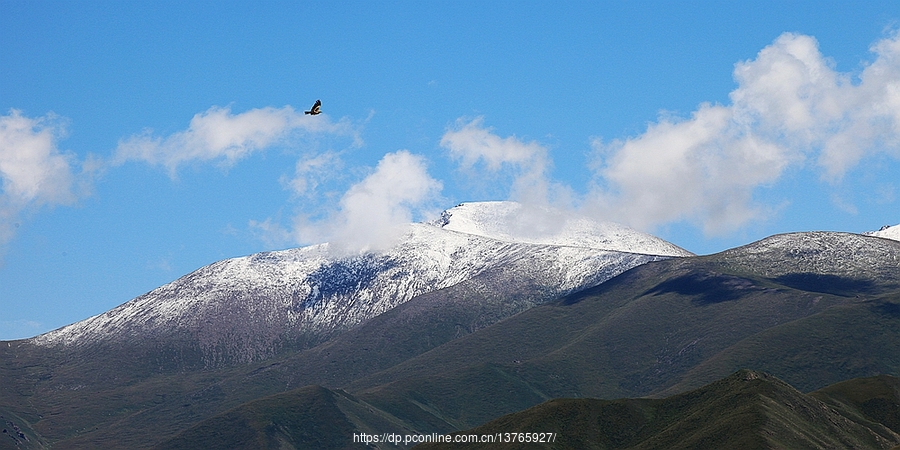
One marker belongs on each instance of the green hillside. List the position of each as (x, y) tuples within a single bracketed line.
[(747, 410), (311, 418), (667, 327), (17, 434)]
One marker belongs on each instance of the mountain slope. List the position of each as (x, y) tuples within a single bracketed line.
[(16, 433), (866, 400), (747, 410), (811, 308), (250, 308), (311, 418), (250, 327), (171, 401), (887, 232)]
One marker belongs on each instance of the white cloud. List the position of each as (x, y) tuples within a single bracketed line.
[(528, 163), (706, 167), (373, 213), (219, 135), (369, 215), (33, 171), (790, 106), (376, 210), (792, 93), (310, 171), (273, 234), (884, 194), (843, 205), (472, 143)]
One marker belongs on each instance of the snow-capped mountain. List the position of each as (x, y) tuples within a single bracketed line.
[(515, 222), (887, 232), (247, 308), (848, 256)]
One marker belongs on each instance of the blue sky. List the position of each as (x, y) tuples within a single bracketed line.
[(142, 140)]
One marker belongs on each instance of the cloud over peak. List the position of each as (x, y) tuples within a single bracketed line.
[(472, 143), (375, 211), (528, 163)]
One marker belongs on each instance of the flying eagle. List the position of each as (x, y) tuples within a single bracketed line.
[(316, 108)]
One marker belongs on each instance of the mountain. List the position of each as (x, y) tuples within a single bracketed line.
[(17, 434), (887, 232), (875, 399), (811, 308), (537, 323), (251, 327), (255, 307), (312, 418), (747, 410)]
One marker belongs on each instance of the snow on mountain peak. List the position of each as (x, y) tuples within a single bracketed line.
[(887, 232), (243, 309), (516, 222)]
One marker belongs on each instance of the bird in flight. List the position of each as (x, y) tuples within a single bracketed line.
[(316, 108)]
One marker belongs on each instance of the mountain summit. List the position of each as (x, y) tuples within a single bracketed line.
[(516, 222), (887, 232)]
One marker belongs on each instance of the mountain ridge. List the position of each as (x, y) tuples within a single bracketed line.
[(813, 308), (254, 307), (747, 409), (512, 221), (666, 327)]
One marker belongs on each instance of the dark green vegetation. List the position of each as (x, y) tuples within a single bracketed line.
[(312, 417), (812, 309), (15, 433), (747, 410)]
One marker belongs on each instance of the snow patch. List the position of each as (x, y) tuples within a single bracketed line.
[(849, 255), (887, 232), (515, 222)]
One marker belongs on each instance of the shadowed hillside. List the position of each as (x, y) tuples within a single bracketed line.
[(748, 410), (667, 327)]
